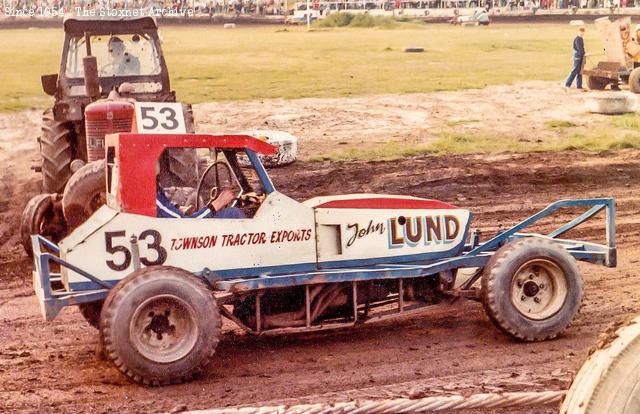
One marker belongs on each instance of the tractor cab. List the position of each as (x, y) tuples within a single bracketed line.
[(136, 173), (125, 51)]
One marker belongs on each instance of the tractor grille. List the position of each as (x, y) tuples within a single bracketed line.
[(99, 123)]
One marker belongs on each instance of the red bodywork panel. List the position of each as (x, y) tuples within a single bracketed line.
[(387, 203), (138, 155)]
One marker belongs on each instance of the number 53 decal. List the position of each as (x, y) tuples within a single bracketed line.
[(121, 259), (160, 118)]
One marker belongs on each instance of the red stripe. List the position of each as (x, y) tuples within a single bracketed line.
[(387, 203)]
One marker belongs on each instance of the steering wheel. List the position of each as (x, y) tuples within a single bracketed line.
[(213, 193)]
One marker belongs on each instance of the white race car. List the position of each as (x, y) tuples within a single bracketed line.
[(158, 287)]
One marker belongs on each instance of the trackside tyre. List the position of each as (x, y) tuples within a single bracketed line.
[(532, 289), (84, 194), (160, 325), (57, 153), (609, 382), (596, 83), (634, 80)]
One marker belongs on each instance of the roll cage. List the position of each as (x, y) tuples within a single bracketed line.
[(132, 159)]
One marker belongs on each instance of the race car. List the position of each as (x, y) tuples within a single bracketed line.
[(157, 287)]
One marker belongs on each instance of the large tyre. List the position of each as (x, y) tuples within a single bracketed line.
[(91, 313), (609, 382), (84, 194), (56, 149), (634, 80), (179, 167), (532, 289), (596, 83), (160, 325), (42, 215)]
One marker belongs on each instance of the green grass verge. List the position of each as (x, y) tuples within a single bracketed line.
[(609, 134), (213, 64)]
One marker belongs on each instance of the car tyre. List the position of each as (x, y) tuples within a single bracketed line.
[(532, 289), (160, 325)]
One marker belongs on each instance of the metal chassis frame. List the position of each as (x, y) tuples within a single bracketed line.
[(474, 255)]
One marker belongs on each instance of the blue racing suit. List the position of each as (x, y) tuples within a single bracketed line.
[(166, 209)]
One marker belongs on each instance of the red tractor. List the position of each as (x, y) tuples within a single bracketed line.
[(107, 66)]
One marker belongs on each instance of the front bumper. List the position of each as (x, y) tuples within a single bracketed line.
[(52, 295)]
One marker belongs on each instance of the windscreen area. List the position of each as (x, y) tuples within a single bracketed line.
[(117, 55)]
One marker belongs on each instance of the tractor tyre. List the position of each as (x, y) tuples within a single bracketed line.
[(42, 215), (179, 168), (532, 289), (91, 312), (160, 325), (57, 153), (634, 80), (596, 83), (609, 382), (84, 194)]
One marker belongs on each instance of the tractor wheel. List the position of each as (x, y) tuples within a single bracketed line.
[(179, 167), (596, 83), (42, 215), (609, 382), (532, 289), (634, 80), (160, 325), (91, 313), (84, 194), (57, 153)]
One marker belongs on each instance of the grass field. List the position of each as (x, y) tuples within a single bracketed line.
[(212, 64)]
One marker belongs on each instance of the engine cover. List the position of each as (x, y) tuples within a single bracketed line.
[(105, 117)]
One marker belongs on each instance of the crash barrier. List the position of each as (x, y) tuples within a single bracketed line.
[(406, 405)]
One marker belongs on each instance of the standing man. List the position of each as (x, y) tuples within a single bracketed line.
[(578, 60)]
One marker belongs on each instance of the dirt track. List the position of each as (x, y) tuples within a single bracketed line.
[(47, 367)]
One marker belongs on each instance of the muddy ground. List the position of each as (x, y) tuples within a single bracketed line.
[(454, 348)]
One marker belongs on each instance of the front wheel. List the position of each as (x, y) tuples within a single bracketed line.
[(160, 325), (532, 289)]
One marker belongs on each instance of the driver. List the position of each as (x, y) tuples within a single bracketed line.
[(217, 208), (123, 62)]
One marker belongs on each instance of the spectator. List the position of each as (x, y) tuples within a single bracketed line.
[(578, 60)]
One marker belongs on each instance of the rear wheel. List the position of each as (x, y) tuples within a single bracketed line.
[(160, 325), (57, 153), (84, 194), (179, 167), (532, 289), (634, 80), (596, 83)]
